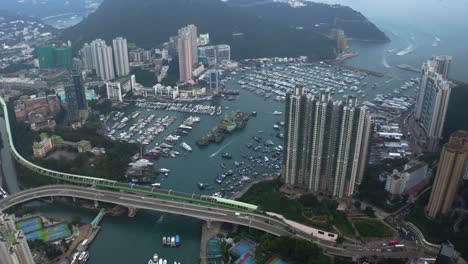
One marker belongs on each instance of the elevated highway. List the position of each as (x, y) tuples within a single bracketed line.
[(193, 205), (255, 220)]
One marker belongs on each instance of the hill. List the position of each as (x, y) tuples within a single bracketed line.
[(44, 8), (269, 29)]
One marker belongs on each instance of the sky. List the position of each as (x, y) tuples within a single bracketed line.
[(440, 12)]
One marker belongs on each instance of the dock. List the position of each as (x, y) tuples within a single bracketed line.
[(87, 234), (409, 68)]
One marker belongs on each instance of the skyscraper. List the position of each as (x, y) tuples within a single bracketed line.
[(63, 57), (71, 98), (79, 88), (14, 248), (122, 66), (51, 57), (46, 57), (102, 60), (187, 51), (86, 56), (443, 65), (451, 170), (433, 99), (325, 143), (214, 80)]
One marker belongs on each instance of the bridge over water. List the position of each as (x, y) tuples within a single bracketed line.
[(198, 206)]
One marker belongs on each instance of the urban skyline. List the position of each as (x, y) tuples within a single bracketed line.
[(322, 148)]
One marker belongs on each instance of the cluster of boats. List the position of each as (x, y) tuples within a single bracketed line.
[(245, 170), (80, 257), (158, 260), (140, 128), (174, 241), (406, 86), (186, 108), (166, 148), (315, 78)]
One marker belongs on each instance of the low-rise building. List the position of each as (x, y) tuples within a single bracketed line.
[(38, 110), (412, 176), (198, 70), (40, 149), (117, 88), (21, 83), (188, 93), (214, 54), (166, 92)]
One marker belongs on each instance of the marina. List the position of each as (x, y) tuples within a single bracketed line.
[(199, 134), (276, 80)]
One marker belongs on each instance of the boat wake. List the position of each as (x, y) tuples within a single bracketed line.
[(160, 219), (219, 150), (385, 62), (436, 42), (407, 50)]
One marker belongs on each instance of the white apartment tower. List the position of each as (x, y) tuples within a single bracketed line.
[(103, 61), (433, 99), (122, 66), (86, 56)]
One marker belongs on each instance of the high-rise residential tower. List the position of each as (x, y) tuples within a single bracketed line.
[(122, 66), (71, 98), (187, 51), (14, 248), (102, 60), (451, 170), (433, 99), (325, 143), (86, 56), (79, 88)]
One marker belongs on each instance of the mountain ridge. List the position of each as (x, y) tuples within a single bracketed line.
[(151, 22)]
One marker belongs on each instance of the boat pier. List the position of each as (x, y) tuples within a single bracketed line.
[(358, 69), (209, 230), (85, 237)]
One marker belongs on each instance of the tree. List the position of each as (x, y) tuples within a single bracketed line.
[(76, 220), (369, 211), (357, 204)]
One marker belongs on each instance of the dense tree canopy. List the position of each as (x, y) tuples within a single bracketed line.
[(151, 22)]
